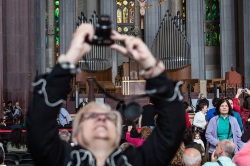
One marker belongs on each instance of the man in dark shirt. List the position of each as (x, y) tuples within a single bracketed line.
[(16, 123), (148, 116)]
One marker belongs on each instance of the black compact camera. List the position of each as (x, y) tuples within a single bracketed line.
[(244, 90), (103, 30)]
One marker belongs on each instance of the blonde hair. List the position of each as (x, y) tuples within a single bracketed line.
[(97, 105), (145, 132), (177, 160)]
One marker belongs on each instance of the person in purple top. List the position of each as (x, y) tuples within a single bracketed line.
[(211, 112), (223, 126)]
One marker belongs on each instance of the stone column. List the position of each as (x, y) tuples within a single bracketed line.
[(50, 59), (163, 8), (176, 5), (40, 47), (140, 35), (195, 37), (138, 20), (108, 7), (151, 22), (92, 5), (228, 39), (1, 56), (67, 23), (19, 50), (246, 30), (79, 7)]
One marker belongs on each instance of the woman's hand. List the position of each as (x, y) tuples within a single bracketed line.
[(79, 47), (247, 91), (129, 128), (134, 48), (239, 91)]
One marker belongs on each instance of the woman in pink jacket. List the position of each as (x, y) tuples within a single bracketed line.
[(145, 132), (244, 111)]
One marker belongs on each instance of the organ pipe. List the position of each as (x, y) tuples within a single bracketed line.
[(170, 44)]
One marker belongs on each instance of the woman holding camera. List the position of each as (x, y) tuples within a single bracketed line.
[(97, 128), (244, 111)]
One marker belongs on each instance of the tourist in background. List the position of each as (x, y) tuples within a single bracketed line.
[(64, 117), (223, 126)]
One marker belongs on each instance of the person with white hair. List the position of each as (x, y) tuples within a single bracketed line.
[(96, 127), (222, 154), (191, 157)]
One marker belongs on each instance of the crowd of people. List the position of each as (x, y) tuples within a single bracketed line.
[(162, 135), (11, 112), (227, 120)]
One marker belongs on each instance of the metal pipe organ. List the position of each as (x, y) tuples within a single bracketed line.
[(170, 44), (99, 58)]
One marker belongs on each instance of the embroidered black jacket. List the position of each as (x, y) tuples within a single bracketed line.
[(47, 148)]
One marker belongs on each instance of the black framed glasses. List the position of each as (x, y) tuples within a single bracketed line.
[(111, 116)]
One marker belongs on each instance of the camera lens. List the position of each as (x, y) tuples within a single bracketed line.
[(103, 31), (103, 28)]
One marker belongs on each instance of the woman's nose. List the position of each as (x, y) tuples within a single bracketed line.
[(101, 118)]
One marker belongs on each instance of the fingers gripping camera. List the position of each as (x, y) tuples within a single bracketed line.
[(103, 31), (244, 90)]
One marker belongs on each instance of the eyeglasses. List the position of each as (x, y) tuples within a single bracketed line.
[(111, 116)]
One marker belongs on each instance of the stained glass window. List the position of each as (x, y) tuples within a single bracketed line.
[(57, 29), (208, 38), (131, 12), (208, 14), (125, 15), (215, 12), (119, 16), (55, 33), (212, 22), (131, 16)]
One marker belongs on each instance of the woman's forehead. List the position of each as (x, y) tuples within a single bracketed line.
[(98, 110), (224, 103)]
